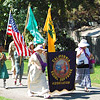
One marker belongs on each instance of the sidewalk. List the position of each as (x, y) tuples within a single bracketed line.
[(20, 92)]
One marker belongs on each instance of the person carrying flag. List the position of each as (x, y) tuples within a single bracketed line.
[(21, 48), (19, 65)]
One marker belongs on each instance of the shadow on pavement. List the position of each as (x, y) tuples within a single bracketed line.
[(77, 95), (17, 87)]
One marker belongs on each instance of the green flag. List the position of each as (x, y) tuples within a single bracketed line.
[(33, 28)]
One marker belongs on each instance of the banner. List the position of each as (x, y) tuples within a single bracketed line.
[(49, 28), (33, 28), (61, 70)]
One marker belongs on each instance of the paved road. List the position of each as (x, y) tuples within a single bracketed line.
[(20, 92)]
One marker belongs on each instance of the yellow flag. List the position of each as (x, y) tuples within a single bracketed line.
[(49, 28)]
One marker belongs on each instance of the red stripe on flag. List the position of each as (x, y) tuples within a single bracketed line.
[(9, 33), (9, 29), (16, 42), (21, 47), (9, 26)]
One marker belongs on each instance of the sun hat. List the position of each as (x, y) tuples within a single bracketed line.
[(39, 47), (30, 43), (83, 43)]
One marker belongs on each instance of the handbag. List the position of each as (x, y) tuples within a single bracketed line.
[(92, 61)]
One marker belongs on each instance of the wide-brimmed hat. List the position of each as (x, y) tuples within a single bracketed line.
[(83, 43), (30, 43), (39, 47)]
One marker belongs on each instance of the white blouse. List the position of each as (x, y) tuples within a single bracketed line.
[(82, 57)]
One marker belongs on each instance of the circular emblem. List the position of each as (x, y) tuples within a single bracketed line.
[(61, 67)]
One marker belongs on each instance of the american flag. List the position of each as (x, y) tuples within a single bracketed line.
[(21, 47)]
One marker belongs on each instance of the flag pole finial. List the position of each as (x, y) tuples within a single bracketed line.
[(29, 4), (50, 5), (11, 8)]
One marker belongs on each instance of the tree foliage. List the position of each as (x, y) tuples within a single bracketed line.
[(64, 13)]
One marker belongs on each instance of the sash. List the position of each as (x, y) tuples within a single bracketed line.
[(43, 64), (90, 65)]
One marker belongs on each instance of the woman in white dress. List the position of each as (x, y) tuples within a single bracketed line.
[(37, 83), (83, 70)]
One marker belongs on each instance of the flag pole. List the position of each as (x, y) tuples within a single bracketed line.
[(26, 20), (25, 29), (24, 34), (7, 28)]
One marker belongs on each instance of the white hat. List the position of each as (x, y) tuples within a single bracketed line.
[(30, 43), (39, 47), (83, 43)]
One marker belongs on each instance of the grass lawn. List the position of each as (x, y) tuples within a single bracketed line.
[(2, 98), (95, 78), (8, 64)]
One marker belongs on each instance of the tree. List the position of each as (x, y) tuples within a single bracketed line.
[(3, 16), (63, 13)]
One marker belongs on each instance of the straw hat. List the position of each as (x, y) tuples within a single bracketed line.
[(30, 43), (83, 43), (39, 47)]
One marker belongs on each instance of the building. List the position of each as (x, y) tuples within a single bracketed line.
[(92, 35)]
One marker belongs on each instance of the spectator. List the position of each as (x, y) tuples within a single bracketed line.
[(31, 47), (83, 71), (12, 48), (3, 70)]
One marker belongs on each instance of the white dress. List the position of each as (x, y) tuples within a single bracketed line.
[(38, 83), (83, 74), (82, 56)]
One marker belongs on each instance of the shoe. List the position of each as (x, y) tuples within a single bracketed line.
[(6, 87), (87, 90), (29, 94), (46, 96), (20, 84), (15, 82)]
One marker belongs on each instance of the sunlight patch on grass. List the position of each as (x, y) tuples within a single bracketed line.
[(3, 98)]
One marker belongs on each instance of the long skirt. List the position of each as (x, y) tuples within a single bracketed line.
[(38, 83), (83, 77), (3, 72)]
